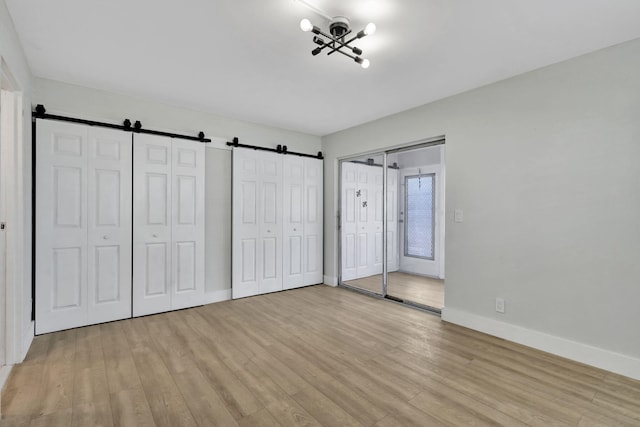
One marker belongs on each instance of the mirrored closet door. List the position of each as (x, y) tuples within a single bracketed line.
[(392, 208)]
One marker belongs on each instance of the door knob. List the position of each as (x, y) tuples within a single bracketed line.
[(155, 235), (105, 237), (295, 229)]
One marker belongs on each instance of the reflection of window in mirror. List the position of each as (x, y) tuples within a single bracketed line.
[(420, 216)]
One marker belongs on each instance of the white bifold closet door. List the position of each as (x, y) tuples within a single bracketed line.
[(361, 220), (257, 222), (168, 238), (303, 225), (277, 222), (83, 225)]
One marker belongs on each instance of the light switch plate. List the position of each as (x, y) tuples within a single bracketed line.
[(458, 215)]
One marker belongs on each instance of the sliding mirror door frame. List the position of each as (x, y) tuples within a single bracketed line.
[(385, 215)]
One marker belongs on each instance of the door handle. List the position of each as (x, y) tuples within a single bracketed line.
[(155, 235), (105, 237)]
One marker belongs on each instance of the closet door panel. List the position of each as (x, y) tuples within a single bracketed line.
[(313, 222), (61, 226), (270, 223), (187, 224), (152, 219), (110, 225), (294, 217), (245, 228)]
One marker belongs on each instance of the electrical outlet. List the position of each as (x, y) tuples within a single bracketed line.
[(500, 305)]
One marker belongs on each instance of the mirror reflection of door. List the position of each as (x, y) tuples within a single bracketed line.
[(361, 223)]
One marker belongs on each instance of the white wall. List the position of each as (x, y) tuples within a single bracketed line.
[(78, 101), (218, 225), (13, 56), (545, 167)]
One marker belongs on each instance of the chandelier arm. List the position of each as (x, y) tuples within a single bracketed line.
[(346, 54), (328, 37), (342, 44)]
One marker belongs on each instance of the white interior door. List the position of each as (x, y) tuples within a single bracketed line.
[(349, 220), (257, 222), (61, 226), (270, 222), (245, 225), (152, 238), (313, 222), (294, 222), (187, 224), (302, 240), (109, 225)]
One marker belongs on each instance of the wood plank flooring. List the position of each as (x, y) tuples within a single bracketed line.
[(409, 287), (316, 356)]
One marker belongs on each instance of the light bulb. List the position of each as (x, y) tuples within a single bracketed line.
[(369, 29), (306, 25), (365, 63)]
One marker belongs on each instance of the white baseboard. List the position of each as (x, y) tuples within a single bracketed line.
[(583, 353), (330, 280), (217, 296), (27, 340)]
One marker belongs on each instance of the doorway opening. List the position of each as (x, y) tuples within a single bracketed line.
[(392, 224)]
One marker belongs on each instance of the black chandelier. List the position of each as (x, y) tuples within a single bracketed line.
[(337, 40)]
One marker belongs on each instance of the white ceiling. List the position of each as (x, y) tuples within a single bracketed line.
[(248, 59)]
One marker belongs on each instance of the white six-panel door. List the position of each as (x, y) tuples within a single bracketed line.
[(313, 222), (109, 220), (302, 239), (294, 222), (152, 208), (82, 263), (187, 235), (270, 222), (168, 238), (245, 226), (257, 223)]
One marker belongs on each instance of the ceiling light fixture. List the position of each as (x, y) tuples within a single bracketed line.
[(336, 40)]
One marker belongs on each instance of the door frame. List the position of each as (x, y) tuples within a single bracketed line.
[(12, 143)]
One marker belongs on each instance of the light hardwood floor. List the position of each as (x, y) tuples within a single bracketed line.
[(409, 287), (312, 356)]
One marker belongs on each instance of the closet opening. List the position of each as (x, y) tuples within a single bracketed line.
[(392, 224)]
